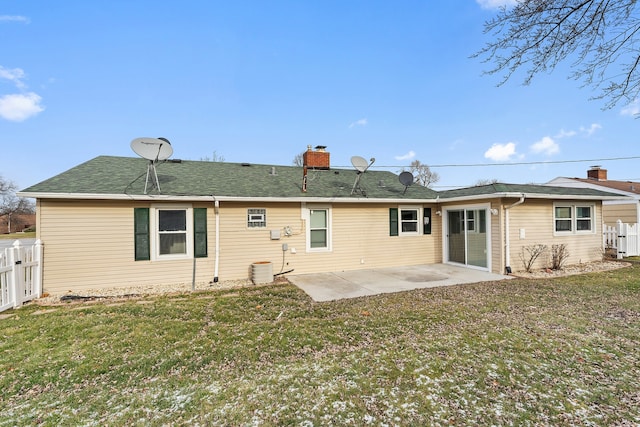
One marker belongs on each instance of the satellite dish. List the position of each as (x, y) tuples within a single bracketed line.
[(155, 150), (359, 163), (361, 166), (406, 179)]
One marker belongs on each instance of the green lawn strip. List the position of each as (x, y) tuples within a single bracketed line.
[(561, 352), (15, 236)]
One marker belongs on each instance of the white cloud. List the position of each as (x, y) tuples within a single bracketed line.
[(632, 109), (546, 146), (496, 4), (566, 134), (410, 155), (361, 122), (501, 152), (19, 107), (14, 18), (591, 129), (15, 76)]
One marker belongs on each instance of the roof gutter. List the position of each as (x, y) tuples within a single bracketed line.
[(529, 196), (507, 244), (183, 198)]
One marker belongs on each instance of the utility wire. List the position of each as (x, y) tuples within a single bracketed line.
[(508, 164)]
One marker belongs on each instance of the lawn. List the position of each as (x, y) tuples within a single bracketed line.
[(14, 236), (517, 352)]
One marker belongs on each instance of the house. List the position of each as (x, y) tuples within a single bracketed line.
[(102, 227), (626, 208)]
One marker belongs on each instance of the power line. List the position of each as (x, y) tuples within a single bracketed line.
[(547, 162)]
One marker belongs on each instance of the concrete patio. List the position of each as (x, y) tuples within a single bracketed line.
[(357, 283)]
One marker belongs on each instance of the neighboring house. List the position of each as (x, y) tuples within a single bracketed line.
[(625, 208), (100, 229)]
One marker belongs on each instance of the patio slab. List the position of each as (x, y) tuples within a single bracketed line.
[(357, 283)]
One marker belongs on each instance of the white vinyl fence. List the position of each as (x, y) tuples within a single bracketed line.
[(20, 274), (623, 238)]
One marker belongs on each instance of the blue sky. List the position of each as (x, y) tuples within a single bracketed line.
[(257, 82)]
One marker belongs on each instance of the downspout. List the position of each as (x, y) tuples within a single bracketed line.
[(217, 257), (507, 245)]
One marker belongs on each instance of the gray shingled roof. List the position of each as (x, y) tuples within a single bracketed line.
[(110, 177), (529, 189), (107, 175)]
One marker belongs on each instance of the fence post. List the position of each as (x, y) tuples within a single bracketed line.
[(37, 272), (15, 260), (621, 243)]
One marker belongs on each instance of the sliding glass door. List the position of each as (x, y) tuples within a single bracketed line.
[(467, 240)]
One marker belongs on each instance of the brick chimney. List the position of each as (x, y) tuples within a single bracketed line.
[(597, 173), (316, 159)]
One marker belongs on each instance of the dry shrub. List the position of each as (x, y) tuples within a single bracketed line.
[(559, 255), (530, 253)]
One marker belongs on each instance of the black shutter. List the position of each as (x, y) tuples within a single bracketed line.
[(393, 221), (141, 234), (200, 232), (426, 220)]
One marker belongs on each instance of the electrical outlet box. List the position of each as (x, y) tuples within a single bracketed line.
[(285, 247)]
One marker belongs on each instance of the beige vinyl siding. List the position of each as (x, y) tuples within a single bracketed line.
[(535, 217), (359, 234), (627, 213), (89, 244)]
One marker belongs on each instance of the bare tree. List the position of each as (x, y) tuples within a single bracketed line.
[(422, 174), (298, 160), (216, 158), (600, 37), (482, 182), (10, 204)]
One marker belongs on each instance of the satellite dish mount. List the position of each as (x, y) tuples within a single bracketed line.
[(361, 165), (155, 150)]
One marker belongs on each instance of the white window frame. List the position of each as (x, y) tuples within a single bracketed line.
[(307, 218), (154, 219), (574, 218), (418, 210), (256, 220)]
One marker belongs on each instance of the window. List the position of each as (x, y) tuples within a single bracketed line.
[(256, 218), (409, 223), (476, 220), (170, 232), (583, 218), (405, 220), (563, 218), (471, 223), (319, 229), (573, 218)]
